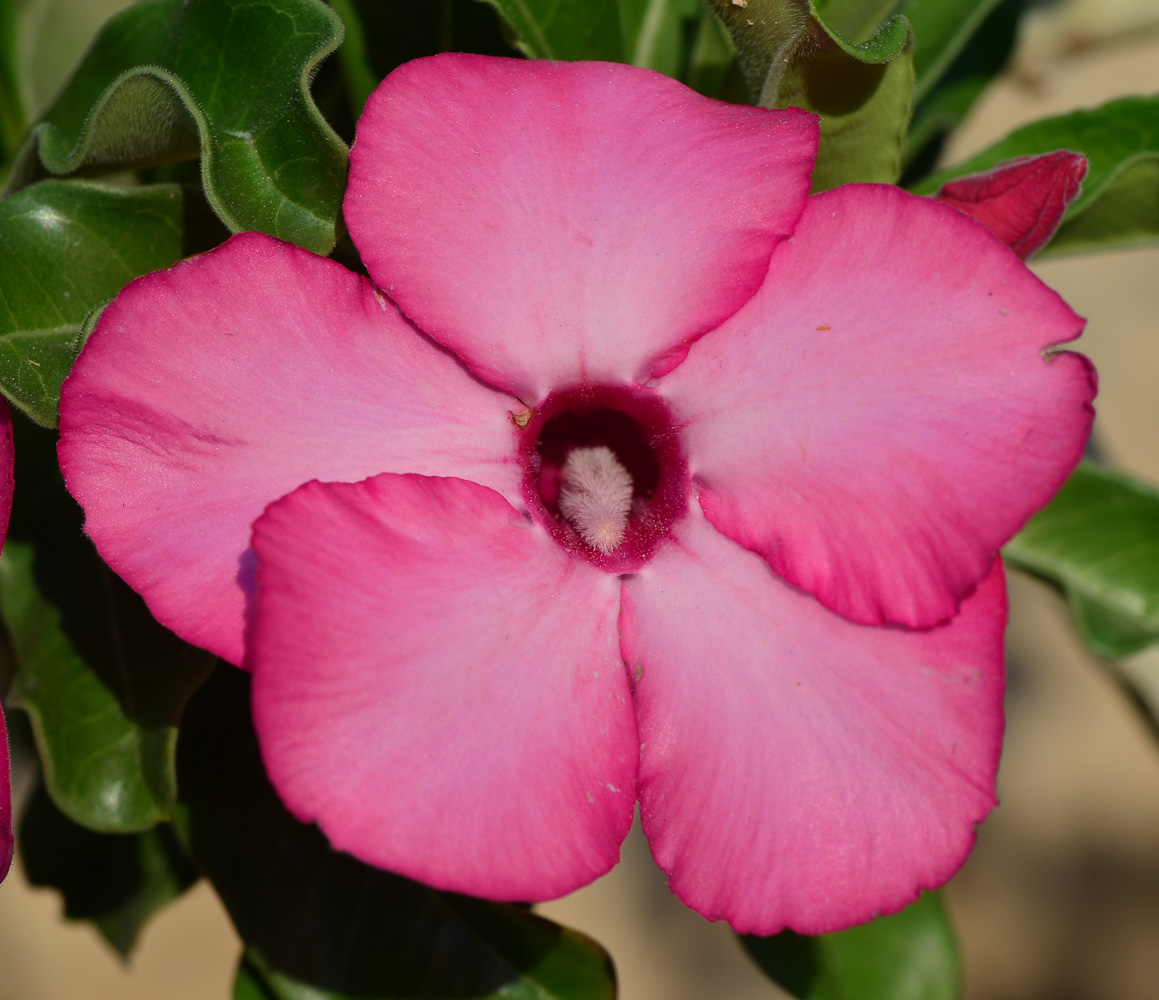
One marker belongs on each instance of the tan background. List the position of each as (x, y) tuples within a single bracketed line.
[(1060, 901)]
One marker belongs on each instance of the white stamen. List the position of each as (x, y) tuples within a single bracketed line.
[(595, 494)]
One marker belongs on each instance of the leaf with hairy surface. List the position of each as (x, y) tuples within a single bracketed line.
[(224, 79)]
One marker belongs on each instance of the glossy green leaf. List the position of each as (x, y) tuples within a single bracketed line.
[(911, 955), (67, 247), (1098, 540), (229, 79), (103, 683), (642, 32), (1119, 203), (117, 881), (319, 924)]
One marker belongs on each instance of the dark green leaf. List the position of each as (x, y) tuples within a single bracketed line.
[(11, 100), (167, 79), (642, 32), (941, 30), (319, 924), (102, 682), (394, 33), (658, 32), (1098, 540), (548, 29), (949, 93), (356, 71), (1119, 203), (911, 955), (67, 247), (712, 64), (118, 881)]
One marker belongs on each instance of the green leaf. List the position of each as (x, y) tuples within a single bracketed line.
[(942, 28), (859, 79), (657, 32), (911, 955), (642, 32), (250, 982), (117, 881), (228, 79), (768, 35), (948, 93), (854, 20), (1098, 540), (712, 62), (550, 29), (1119, 203), (352, 55), (67, 247), (393, 33), (865, 110), (12, 124), (320, 924), (102, 682)]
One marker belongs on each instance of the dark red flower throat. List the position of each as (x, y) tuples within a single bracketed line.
[(564, 450)]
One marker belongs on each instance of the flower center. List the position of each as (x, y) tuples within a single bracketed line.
[(604, 472), (595, 495)]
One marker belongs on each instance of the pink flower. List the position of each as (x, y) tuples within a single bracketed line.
[(613, 510)]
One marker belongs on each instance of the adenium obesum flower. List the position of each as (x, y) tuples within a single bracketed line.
[(6, 467), (637, 473)]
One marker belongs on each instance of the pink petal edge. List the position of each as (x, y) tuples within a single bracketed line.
[(564, 222), (439, 686), (215, 387), (798, 770), (880, 419)]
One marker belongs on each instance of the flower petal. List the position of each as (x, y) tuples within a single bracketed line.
[(1021, 201), (438, 685), (880, 418), (557, 222), (210, 390), (798, 770)]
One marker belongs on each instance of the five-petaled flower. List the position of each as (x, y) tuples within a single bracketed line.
[(638, 473)]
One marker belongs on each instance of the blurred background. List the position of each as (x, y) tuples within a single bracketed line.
[(1060, 900)]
